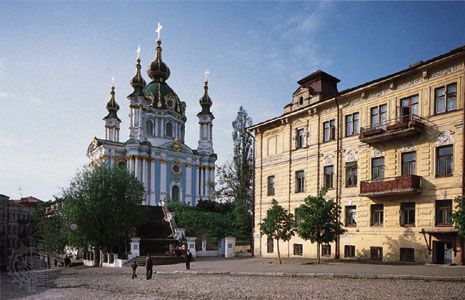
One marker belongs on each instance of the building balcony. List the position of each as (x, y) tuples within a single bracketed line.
[(400, 185), (401, 127)]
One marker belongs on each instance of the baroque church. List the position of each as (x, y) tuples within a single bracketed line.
[(155, 151)]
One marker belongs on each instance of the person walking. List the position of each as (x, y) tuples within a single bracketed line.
[(134, 268), (149, 266), (188, 259)]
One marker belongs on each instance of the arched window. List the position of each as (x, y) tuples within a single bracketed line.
[(169, 129), (149, 127), (301, 100), (175, 193), (122, 164)]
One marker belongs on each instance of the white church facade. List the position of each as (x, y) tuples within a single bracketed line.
[(155, 151)]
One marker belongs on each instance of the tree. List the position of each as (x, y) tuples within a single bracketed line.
[(51, 230), (317, 220), (278, 224), (105, 203), (458, 216), (235, 178)]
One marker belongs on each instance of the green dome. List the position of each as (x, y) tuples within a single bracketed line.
[(162, 96)]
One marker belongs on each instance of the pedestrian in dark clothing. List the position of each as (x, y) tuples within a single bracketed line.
[(134, 268), (188, 259), (149, 266)]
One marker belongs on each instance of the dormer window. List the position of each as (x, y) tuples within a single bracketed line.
[(169, 129)]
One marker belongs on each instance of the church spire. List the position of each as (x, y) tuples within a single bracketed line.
[(138, 82), (112, 121), (112, 106), (205, 101), (157, 70), (205, 122)]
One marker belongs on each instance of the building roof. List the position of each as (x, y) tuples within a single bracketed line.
[(420, 64), (26, 201)]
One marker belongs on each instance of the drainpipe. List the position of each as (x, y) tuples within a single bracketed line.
[(290, 178), (318, 155), (338, 155), (252, 248), (461, 239)]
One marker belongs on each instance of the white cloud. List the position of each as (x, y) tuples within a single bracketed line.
[(35, 100), (4, 95)]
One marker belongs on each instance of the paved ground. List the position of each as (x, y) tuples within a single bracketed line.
[(251, 279)]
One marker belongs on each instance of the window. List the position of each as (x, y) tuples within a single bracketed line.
[(376, 253), (269, 245), (299, 181), (445, 98), (377, 168), (407, 214), (444, 161), (326, 250), (409, 106), (299, 138), (377, 214), (270, 186), (407, 254), (329, 131), (352, 124), (351, 174), (298, 249), (408, 163), (349, 251), (169, 129), (328, 172), (301, 100), (443, 212), (149, 127), (175, 193), (378, 115), (351, 214)]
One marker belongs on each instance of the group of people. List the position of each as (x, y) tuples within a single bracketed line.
[(149, 265)]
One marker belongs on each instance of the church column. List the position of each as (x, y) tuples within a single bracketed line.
[(129, 163), (137, 167), (152, 181), (201, 174), (163, 174), (145, 173), (189, 183), (207, 181), (212, 176), (197, 183)]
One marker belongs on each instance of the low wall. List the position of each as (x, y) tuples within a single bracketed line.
[(242, 248), (89, 263), (208, 253)]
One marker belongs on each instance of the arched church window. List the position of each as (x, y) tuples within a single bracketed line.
[(169, 129), (122, 164), (175, 193), (149, 127), (301, 100)]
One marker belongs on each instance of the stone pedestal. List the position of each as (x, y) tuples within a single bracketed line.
[(191, 245), (135, 250), (229, 246)]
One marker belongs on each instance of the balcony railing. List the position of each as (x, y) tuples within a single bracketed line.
[(400, 185), (404, 126)]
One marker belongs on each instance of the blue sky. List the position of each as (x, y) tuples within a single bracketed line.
[(57, 60)]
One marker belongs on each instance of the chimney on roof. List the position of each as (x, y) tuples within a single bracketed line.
[(322, 83)]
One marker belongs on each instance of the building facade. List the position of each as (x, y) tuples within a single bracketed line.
[(16, 226), (155, 150), (389, 151)]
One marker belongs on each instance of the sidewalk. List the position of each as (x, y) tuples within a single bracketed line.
[(307, 268)]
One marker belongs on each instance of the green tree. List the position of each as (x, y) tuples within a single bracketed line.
[(105, 203), (278, 224), (235, 178), (458, 216), (51, 230), (317, 220)]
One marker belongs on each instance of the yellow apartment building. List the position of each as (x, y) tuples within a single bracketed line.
[(390, 152)]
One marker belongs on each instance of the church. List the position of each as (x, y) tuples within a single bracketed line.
[(155, 151)]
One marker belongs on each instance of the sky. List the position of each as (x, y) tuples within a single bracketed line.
[(57, 60)]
